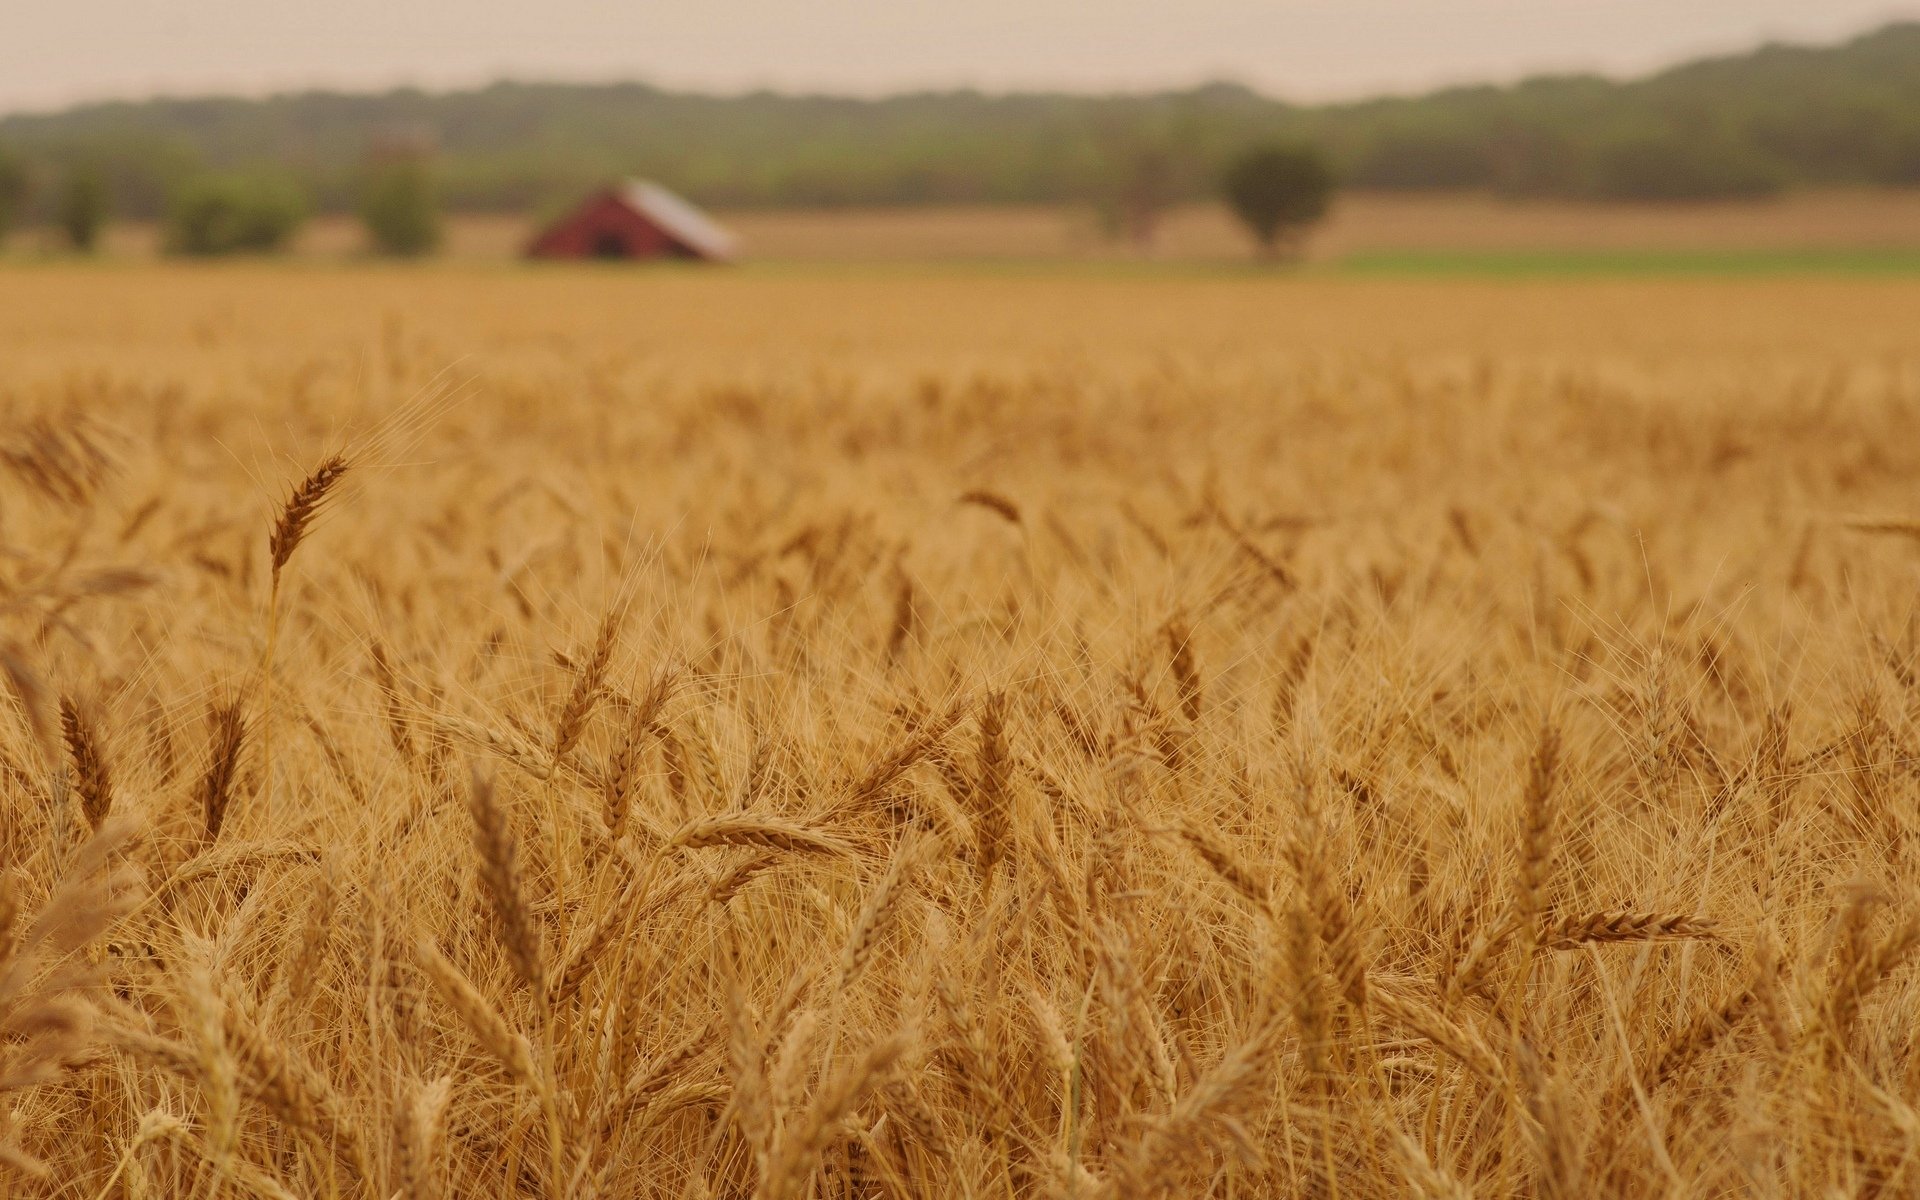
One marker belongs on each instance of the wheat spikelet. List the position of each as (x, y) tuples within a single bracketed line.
[(213, 1064), (93, 781), (897, 761), (1536, 832), (991, 793), (1460, 1042), (88, 898), (994, 503), (656, 1078), (337, 759), (1427, 1181), (1893, 526), (1332, 917), (29, 692), (422, 1136), (794, 1162), (297, 1093), (64, 459), (634, 906), (1052, 1029), (155, 1125), (505, 885), (623, 768), (1282, 578), (786, 1082), (772, 833), (909, 1110), (488, 1027), (1186, 672), (303, 967), (1203, 1122), (905, 617), (1770, 996), (1310, 1012), (1859, 971), (1706, 1032), (1221, 861), (752, 1095), (589, 680), (876, 915), (1469, 976), (729, 882), (300, 509), (1619, 925), (10, 922), (399, 727), (506, 745), (759, 774), (228, 738), (1559, 1176)]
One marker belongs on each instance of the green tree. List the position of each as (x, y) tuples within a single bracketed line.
[(82, 209), (1278, 192), (400, 207), (234, 214)]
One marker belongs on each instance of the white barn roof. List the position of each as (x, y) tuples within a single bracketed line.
[(679, 218)]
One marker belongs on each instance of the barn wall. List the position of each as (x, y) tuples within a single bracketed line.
[(576, 236)]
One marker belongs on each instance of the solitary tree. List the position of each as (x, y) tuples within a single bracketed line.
[(399, 208), (1278, 192), (83, 208)]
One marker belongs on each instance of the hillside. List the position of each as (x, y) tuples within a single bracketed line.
[(1747, 124)]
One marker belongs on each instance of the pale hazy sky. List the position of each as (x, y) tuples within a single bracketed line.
[(55, 52)]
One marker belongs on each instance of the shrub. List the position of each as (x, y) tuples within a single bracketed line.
[(234, 214), (400, 209), (82, 208)]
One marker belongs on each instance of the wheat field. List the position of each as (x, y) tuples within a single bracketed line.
[(581, 734)]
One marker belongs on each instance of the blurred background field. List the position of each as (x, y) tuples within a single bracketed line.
[(1846, 229), (1780, 157), (242, 319)]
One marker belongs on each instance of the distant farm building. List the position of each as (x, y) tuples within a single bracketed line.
[(635, 219)]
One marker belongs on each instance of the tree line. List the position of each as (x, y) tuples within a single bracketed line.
[(1744, 125)]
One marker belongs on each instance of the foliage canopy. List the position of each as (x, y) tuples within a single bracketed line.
[(1278, 191), (233, 214), (400, 209)]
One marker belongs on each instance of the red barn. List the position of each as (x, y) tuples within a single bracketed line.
[(635, 219)]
